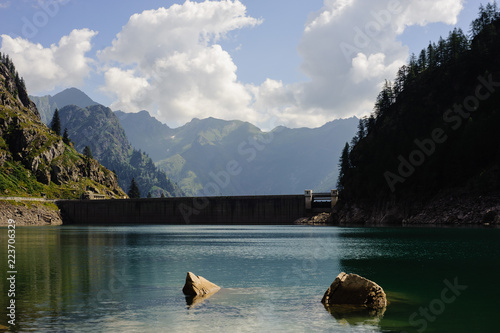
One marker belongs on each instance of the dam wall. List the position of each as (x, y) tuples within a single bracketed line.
[(268, 209)]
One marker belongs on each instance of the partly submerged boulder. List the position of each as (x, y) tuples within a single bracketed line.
[(354, 290), (198, 285)]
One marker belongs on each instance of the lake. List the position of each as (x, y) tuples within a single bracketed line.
[(130, 278)]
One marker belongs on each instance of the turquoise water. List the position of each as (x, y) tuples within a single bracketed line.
[(129, 279)]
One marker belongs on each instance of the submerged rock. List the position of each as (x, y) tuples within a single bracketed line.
[(354, 290), (197, 285)]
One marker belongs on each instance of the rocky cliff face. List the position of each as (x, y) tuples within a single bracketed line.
[(33, 159), (26, 214)]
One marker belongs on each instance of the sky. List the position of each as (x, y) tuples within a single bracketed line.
[(297, 63)]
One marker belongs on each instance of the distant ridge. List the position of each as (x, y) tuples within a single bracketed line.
[(72, 96), (283, 161)]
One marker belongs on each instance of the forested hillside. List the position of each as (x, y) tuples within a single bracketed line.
[(434, 132), (98, 128), (35, 161)]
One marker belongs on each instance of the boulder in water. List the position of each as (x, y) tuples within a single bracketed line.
[(198, 285), (354, 290)]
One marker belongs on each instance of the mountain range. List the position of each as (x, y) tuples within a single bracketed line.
[(281, 161), (196, 156), (96, 126)]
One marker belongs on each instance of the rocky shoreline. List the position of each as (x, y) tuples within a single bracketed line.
[(452, 210), (320, 219), (456, 209), (29, 214)]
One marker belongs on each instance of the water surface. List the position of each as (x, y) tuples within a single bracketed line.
[(129, 279)]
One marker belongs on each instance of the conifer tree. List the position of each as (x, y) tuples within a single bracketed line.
[(344, 166), (384, 100), (431, 56), (133, 191), (88, 156), (66, 139), (362, 128), (87, 152), (422, 61), (55, 124)]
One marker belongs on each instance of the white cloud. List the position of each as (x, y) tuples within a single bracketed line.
[(180, 72), (183, 72), (169, 61), (130, 90), (348, 49), (372, 67), (59, 65), (445, 11)]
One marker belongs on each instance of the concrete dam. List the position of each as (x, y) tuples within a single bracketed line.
[(265, 209)]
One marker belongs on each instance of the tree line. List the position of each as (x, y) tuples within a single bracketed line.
[(437, 55), (5, 59), (404, 109)]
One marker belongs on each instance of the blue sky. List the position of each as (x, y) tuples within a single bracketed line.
[(270, 62)]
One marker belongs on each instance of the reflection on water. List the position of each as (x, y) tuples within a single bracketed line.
[(130, 279), (356, 315), (193, 301)]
